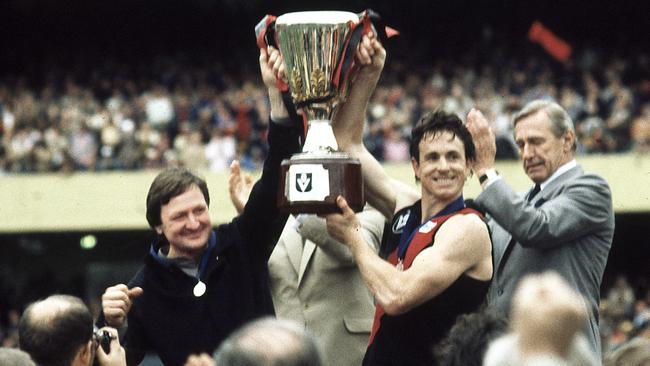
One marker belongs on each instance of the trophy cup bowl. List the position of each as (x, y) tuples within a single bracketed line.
[(313, 45)]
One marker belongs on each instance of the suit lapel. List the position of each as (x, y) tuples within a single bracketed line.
[(502, 241), (292, 242), (505, 240), (550, 191), (307, 252), (502, 253)]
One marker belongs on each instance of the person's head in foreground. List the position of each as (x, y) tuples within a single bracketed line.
[(547, 321), (269, 342)]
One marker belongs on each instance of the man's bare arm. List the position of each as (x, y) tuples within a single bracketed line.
[(348, 124), (462, 245)]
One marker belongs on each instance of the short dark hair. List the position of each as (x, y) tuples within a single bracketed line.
[(168, 184), (53, 330), (437, 122), (269, 341), (467, 341)]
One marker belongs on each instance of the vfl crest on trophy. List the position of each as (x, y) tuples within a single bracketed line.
[(303, 182)]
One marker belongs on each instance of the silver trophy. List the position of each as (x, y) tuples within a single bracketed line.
[(318, 49)]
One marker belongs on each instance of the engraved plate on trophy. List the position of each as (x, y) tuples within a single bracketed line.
[(311, 182)]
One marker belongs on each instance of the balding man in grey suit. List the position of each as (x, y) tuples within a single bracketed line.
[(565, 223)]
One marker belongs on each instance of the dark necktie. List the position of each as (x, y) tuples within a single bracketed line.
[(534, 192), (512, 242)]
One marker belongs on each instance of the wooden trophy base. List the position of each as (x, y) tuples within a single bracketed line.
[(310, 183)]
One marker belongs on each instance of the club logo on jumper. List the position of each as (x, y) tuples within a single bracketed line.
[(401, 221), (303, 182), (427, 227)]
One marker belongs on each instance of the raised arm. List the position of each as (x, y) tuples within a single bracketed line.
[(380, 190), (271, 68), (239, 186), (586, 200), (261, 223)]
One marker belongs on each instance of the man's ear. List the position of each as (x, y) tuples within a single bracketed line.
[(569, 140), (416, 168), (159, 229), (84, 355)]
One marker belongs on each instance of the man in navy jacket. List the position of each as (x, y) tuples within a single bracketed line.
[(198, 284)]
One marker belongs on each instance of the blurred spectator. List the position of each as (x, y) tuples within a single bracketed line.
[(220, 150), (547, 315), (620, 299), (396, 148), (504, 132), (633, 353), (269, 342), (618, 329), (158, 107), (620, 334), (640, 130), (14, 357), (10, 338), (83, 148), (192, 154), (468, 339), (641, 316), (58, 331)]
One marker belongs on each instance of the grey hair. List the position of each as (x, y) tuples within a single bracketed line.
[(561, 122)]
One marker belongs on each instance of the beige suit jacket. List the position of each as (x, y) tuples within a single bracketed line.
[(315, 281)]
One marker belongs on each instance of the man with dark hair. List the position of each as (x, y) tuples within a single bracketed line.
[(58, 331), (198, 284), (269, 342), (438, 251), (468, 339), (168, 184), (564, 224)]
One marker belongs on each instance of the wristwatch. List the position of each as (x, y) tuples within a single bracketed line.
[(489, 174)]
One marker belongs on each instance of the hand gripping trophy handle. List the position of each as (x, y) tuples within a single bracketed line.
[(318, 50)]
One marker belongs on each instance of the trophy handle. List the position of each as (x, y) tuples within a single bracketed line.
[(265, 31), (369, 21), (265, 36)]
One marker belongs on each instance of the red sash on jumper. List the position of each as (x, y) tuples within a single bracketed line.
[(422, 239)]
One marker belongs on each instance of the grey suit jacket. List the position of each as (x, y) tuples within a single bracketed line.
[(570, 232), (315, 281)]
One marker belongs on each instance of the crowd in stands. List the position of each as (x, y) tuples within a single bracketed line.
[(623, 314), (113, 121), (176, 112)]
